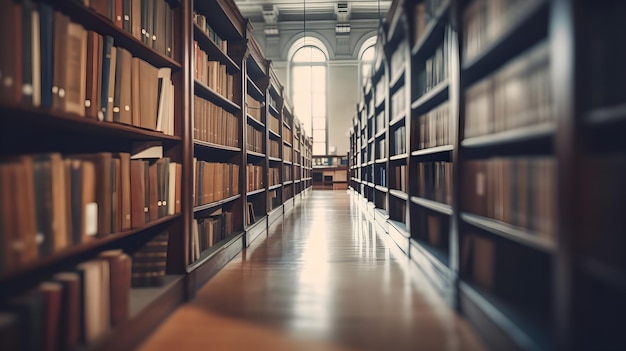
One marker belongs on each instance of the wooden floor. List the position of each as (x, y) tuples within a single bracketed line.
[(321, 280)]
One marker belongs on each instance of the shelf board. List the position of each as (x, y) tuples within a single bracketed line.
[(255, 121), (140, 298), (381, 188), (528, 27), (433, 205), (212, 49), (608, 115), (604, 272), (397, 120), (255, 192), (401, 157), (273, 111), (70, 253), (428, 37), (256, 91), (433, 97), (275, 159), (287, 143), (216, 203), (370, 163), (288, 182), (274, 187), (435, 255), (371, 185), (513, 136), (286, 124), (397, 79), (288, 162), (399, 194), (97, 22), (510, 232), (380, 133), (527, 333), (370, 140), (255, 154), (273, 134), (212, 146), (298, 181), (433, 151), (216, 97), (209, 253), (52, 120), (381, 160)]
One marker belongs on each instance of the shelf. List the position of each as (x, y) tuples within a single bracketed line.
[(216, 203), (215, 97), (286, 125), (370, 163), (370, 140), (371, 185), (428, 38), (608, 115), (381, 188), (604, 272), (399, 194), (255, 154), (380, 134), (212, 49), (96, 22), (381, 160), (434, 255), (433, 151), (433, 205), (287, 143), (397, 80), (397, 120), (526, 333), (297, 181), (70, 254), (288, 182), (273, 134), (287, 162), (274, 187), (432, 98), (274, 159), (401, 157), (255, 121), (514, 136), (273, 111), (209, 253), (255, 192), (256, 91), (51, 120), (212, 146), (528, 27), (510, 232), (140, 298)]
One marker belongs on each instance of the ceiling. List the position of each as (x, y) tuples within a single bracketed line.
[(344, 11)]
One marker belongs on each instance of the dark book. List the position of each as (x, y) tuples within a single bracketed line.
[(127, 15), (46, 29), (11, 60), (9, 331), (117, 90), (52, 293), (94, 76), (71, 305), (120, 271), (28, 8), (107, 49), (138, 193), (30, 309)]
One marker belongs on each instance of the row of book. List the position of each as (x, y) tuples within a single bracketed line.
[(274, 176), (434, 127), (150, 262), (213, 73), (436, 68), (431, 229), (517, 95), (201, 21), (287, 173), (399, 140), (423, 13), (254, 139), (255, 177), (484, 21), (214, 124), (206, 232), (52, 202), (273, 147), (254, 108), (398, 103), (380, 176), (274, 124), (287, 156), (150, 21), (61, 66), (434, 181), (381, 149), (214, 181), (520, 191), (399, 178)]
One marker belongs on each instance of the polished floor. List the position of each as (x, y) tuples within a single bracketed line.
[(320, 280)]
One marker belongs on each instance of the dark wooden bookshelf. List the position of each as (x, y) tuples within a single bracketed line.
[(432, 151), (214, 147), (202, 90), (524, 135), (213, 50), (433, 97), (255, 122), (433, 205)]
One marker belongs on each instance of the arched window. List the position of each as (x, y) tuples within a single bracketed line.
[(367, 55), (308, 90)]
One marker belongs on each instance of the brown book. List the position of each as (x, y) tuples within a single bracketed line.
[(94, 303), (136, 19), (93, 74), (24, 202), (76, 69), (125, 114), (7, 219), (70, 329), (59, 74), (484, 262), (125, 191), (89, 205), (171, 189), (111, 91), (102, 167), (119, 13), (9, 331), (136, 92), (119, 286), (10, 60), (153, 187), (52, 293), (146, 198), (137, 187), (59, 203)]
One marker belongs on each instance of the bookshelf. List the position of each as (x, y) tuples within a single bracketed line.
[(513, 118), (127, 142), (274, 106)]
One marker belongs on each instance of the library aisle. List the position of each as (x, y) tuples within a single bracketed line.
[(321, 280)]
